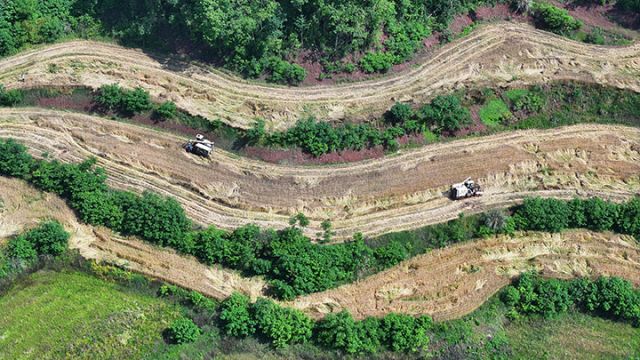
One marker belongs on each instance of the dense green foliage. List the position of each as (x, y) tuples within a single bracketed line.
[(9, 97), (596, 214), (128, 102), (22, 252), (443, 114), (183, 330), (607, 296), (151, 217), (554, 19)]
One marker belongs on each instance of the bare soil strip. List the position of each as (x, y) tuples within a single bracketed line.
[(494, 54), (452, 282), (373, 197), (24, 207)]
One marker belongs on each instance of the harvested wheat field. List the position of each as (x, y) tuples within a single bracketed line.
[(454, 281), (398, 192), (446, 283), (24, 207), (494, 54)]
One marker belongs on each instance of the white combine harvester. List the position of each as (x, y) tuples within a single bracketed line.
[(199, 146), (465, 189)]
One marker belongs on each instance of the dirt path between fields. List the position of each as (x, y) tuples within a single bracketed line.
[(500, 54), (399, 192), (452, 282)]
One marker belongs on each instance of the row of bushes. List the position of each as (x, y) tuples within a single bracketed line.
[(283, 326), (130, 102), (530, 294), (443, 114), (610, 297), (22, 251), (554, 215)]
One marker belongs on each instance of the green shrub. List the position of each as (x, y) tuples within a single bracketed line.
[(14, 159), (127, 102), (183, 331), (20, 248), (554, 19), (109, 97), (377, 62), (532, 295), (10, 97), (49, 238), (445, 113), (398, 114), (284, 72), (135, 101), (339, 331), (542, 215), (494, 112), (280, 325), (235, 316), (529, 103), (405, 333), (166, 111)]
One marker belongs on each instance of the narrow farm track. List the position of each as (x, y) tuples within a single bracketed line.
[(452, 282), (373, 197), (495, 54)]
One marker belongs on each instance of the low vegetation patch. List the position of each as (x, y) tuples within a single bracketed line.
[(69, 314)]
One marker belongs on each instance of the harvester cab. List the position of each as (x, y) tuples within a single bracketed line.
[(199, 146), (465, 189)]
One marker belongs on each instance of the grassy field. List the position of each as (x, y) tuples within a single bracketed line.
[(573, 336), (70, 315)]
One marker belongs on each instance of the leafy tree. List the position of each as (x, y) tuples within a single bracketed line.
[(49, 238), (445, 113), (166, 111), (20, 248), (183, 331), (398, 114), (299, 219), (257, 133), (405, 333), (10, 97), (554, 19), (339, 331), (629, 219), (109, 97), (156, 219), (135, 101), (14, 160), (376, 62), (600, 215), (235, 316), (542, 215), (282, 326)]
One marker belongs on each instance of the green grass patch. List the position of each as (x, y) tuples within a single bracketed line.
[(494, 112), (515, 94), (571, 336), (69, 314)]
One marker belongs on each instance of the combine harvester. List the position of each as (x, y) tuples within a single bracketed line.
[(199, 146), (465, 189)]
